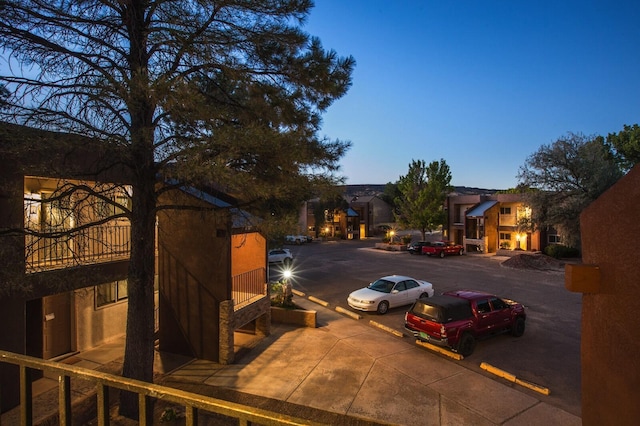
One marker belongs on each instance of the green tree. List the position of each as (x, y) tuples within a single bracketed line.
[(423, 191), (390, 194), (627, 145), (194, 91), (565, 177), (328, 205)]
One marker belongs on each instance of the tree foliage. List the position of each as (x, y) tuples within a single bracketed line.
[(423, 191), (197, 92), (626, 144), (566, 176)]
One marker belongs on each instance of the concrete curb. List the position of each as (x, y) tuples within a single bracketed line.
[(297, 292), (510, 377), (440, 350), (318, 301), (348, 313), (385, 328)]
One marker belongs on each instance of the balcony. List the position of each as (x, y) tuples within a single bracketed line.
[(86, 246), (248, 287)]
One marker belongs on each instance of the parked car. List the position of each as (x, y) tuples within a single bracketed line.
[(416, 247), (283, 256), (389, 292), (456, 319), (442, 248), (295, 239)]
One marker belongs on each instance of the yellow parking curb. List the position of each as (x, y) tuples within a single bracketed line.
[(438, 349), (387, 329), (297, 292), (347, 312), (318, 301), (514, 379)]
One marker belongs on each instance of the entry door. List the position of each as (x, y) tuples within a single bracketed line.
[(56, 335)]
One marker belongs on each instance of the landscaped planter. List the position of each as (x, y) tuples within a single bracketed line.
[(301, 317), (391, 247)]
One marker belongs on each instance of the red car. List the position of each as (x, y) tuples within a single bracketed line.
[(456, 319), (442, 249)]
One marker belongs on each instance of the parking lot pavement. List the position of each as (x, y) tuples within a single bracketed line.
[(347, 367)]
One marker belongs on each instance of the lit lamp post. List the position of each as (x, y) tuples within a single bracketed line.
[(391, 234)]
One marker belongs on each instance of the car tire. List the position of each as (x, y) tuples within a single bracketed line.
[(461, 252), (424, 296), (517, 329), (383, 307), (466, 345), (441, 254)]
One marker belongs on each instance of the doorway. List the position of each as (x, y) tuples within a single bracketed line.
[(56, 333)]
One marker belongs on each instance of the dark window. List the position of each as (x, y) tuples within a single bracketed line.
[(401, 286), (498, 304), (111, 293), (483, 306), (505, 210), (411, 284)]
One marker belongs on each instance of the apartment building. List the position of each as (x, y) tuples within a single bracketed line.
[(65, 247), (487, 223)]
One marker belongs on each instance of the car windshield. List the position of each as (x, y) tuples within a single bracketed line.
[(382, 286)]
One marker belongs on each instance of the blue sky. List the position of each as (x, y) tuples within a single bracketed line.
[(480, 83)]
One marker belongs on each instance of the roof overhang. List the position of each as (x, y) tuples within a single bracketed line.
[(480, 209)]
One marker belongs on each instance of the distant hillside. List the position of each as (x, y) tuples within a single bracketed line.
[(377, 189)]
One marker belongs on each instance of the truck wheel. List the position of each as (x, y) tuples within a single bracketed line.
[(441, 254), (383, 307), (466, 345), (517, 329), (461, 252), (424, 296)]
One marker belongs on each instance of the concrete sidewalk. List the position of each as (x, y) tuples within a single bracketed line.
[(348, 367), (342, 372)]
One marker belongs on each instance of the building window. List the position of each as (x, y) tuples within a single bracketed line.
[(111, 293), (505, 210), (555, 239), (505, 236)]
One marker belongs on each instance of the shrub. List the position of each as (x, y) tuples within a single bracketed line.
[(406, 239), (559, 251), (505, 245)]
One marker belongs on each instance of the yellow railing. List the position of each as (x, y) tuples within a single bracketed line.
[(192, 402)]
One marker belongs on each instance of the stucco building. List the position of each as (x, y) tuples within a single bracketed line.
[(487, 223), (65, 255)]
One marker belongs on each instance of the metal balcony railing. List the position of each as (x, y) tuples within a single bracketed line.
[(193, 403), (249, 285), (103, 243)]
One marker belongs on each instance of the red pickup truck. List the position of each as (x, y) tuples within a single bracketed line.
[(456, 319), (443, 248)]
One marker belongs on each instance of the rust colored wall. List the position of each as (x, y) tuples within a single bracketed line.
[(610, 322), (194, 251), (248, 252)]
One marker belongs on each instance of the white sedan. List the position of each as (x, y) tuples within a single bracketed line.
[(389, 292)]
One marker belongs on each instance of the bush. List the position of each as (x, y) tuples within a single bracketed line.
[(559, 251), (406, 239)]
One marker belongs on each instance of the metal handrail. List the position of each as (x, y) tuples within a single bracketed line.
[(192, 402), (248, 285)]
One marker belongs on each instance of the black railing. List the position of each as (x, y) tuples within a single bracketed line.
[(249, 285), (193, 403), (103, 243)]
